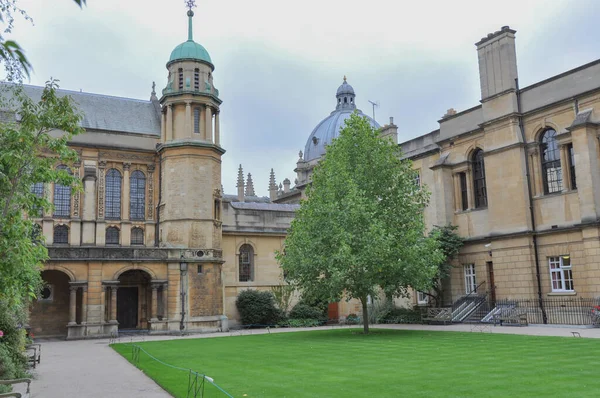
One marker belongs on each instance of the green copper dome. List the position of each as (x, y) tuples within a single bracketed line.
[(190, 50)]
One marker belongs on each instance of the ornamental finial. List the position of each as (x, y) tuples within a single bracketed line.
[(344, 78), (190, 4)]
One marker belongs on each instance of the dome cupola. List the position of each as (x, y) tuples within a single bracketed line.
[(329, 128), (190, 50)]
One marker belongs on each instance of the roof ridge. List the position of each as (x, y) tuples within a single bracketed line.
[(90, 94)]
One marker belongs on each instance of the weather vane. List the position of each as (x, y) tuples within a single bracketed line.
[(190, 4)]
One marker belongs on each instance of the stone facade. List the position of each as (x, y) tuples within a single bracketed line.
[(152, 242)]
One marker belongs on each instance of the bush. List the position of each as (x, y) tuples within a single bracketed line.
[(300, 323), (400, 315), (304, 311), (257, 308), (353, 319), (13, 362)]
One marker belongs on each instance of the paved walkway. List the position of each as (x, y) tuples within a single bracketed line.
[(91, 369)]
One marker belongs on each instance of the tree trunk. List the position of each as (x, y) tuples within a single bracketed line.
[(365, 315)]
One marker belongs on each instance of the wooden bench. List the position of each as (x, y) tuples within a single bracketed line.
[(12, 382), (437, 315), (512, 317)]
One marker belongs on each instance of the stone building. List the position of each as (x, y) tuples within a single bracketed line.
[(152, 242)]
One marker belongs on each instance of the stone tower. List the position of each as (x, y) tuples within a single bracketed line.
[(190, 192)]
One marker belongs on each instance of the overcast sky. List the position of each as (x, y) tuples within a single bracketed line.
[(278, 63)]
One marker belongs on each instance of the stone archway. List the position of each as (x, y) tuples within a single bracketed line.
[(50, 313), (134, 299)]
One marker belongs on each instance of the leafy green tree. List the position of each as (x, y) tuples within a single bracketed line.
[(361, 229), (449, 242), (30, 150)]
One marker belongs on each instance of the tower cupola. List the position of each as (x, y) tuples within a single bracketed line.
[(345, 96)]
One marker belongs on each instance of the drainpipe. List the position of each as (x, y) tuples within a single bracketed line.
[(157, 228), (531, 209), (182, 272)]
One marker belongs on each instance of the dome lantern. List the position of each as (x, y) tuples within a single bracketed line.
[(190, 50)]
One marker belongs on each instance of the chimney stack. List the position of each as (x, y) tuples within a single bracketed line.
[(390, 131), (497, 62)]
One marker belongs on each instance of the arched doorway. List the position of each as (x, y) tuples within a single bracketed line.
[(134, 297), (50, 311)]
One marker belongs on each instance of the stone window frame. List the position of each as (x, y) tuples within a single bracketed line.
[(477, 159), (137, 242), (250, 262), (56, 229), (140, 200), (62, 197), (555, 185), (470, 278), (112, 228), (50, 298), (564, 273), (114, 192)]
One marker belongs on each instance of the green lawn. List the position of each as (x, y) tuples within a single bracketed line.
[(386, 363)]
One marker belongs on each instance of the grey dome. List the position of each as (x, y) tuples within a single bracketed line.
[(330, 127)]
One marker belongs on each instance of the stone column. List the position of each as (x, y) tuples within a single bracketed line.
[(103, 305), (163, 126), (470, 193), (188, 119), (209, 121), (203, 122), (169, 128), (125, 197), (536, 173), (73, 306), (84, 298), (113, 304), (564, 166), (153, 315), (165, 298), (217, 129)]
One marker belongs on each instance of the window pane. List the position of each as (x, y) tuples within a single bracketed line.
[(112, 236), (551, 169), (246, 263), (62, 197), (572, 167), (479, 179), (463, 191), (137, 195), (113, 194), (137, 236), (61, 234)]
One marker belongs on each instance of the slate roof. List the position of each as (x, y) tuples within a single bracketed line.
[(264, 206), (108, 113)]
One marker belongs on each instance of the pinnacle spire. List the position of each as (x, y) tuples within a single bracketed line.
[(272, 183), (250, 186), (240, 180), (190, 4)]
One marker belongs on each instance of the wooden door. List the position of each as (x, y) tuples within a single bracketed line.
[(333, 311), (492, 283), (127, 307)]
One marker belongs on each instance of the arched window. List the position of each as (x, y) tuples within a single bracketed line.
[(62, 197), (550, 156), (137, 192), (246, 263), (112, 236), (479, 179), (61, 234), (112, 202), (137, 236)]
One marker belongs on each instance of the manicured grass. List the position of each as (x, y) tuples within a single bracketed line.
[(386, 363)]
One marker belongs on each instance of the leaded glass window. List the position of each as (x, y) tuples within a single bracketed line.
[(551, 169), (197, 120), (137, 192), (113, 195), (246, 263), (137, 236), (61, 234), (112, 236), (62, 197), (479, 179), (463, 191), (572, 166)]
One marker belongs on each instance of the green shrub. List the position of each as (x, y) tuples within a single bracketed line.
[(257, 308), (353, 319), (301, 323), (13, 362), (304, 311), (400, 315)]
